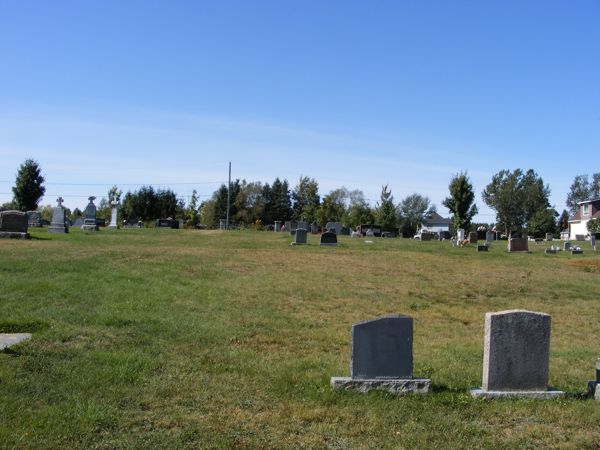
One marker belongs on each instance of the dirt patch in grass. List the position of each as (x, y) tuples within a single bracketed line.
[(586, 266)]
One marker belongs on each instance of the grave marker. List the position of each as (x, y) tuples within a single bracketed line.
[(13, 225), (59, 223), (518, 245), (328, 239), (382, 358), (473, 237), (300, 237), (516, 355), (89, 221)]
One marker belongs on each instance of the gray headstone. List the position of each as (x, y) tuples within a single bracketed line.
[(550, 251), (334, 227), (314, 228), (59, 222), (277, 226), (34, 219), (473, 237), (579, 237), (489, 236), (516, 351), (328, 239), (300, 237), (518, 245), (382, 348), (89, 216), (567, 246), (549, 236), (593, 240), (302, 224)]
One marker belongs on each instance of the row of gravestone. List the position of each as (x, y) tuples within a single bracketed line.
[(327, 239), (516, 356)]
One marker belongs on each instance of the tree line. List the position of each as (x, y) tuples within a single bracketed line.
[(519, 198)]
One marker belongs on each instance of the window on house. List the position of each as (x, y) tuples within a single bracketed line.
[(586, 210)]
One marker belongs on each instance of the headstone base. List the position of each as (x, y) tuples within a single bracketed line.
[(549, 251), (395, 386), (14, 235), (8, 339), (298, 243), (57, 229), (541, 395)]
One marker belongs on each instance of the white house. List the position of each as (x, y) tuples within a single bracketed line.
[(436, 224), (590, 209)]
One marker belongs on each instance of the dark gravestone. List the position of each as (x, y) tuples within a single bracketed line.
[(576, 251), (167, 223), (579, 237), (482, 248), (549, 236), (518, 245), (13, 225), (300, 236), (382, 348), (550, 251), (328, 239), (89, 216), (59, 222), (388, 234), (593, 384), (382, 358), (473, 237), (567, 246)]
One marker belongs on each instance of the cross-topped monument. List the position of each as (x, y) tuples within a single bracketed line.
[(59, 222), (60, 201)]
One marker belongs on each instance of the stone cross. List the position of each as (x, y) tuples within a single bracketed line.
[(60, 201)]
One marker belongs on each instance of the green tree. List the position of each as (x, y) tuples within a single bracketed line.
[(385, 211), (581, 190), (191, 213), (505, 195), (543, 221), (333, 207), (306, 199), (460, 203), (28, 189), (412, 212), (279, 204), (535, 197), (593, 225), (358, 211), (563, 221)]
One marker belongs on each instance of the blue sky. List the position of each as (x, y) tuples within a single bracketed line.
[(354, 94)]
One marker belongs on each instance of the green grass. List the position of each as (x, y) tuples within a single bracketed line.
[(201, 339)]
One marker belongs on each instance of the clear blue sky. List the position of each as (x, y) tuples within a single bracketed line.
[(351, 93)]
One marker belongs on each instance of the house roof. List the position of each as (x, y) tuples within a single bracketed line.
[(577, 216), (436, 218), (592, 200)]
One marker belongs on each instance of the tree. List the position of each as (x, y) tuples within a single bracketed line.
[(563, 221), (581, 190), (505, 195), (385, 210), (191, 213), (593, 225), (279, 206), (413, 211), (306, 199), (28, 189), (333, 207), (542, 222), (535, 196), (460, 203), (358, 211)]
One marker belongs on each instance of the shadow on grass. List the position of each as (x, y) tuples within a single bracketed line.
[(7, 326)]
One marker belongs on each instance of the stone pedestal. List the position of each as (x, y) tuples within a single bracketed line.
[(9, 339), (277, 226), (398, 386)]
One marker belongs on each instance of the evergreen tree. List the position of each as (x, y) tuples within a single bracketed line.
[(281, 200), (563, 221), (28, 189), (385, 212), (460, 203), (306, 199)]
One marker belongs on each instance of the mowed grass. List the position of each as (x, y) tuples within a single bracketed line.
[(206, 339)]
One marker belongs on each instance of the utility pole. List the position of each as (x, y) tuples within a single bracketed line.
[(228, 197)]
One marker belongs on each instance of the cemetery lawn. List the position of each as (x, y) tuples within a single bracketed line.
[(205, 339)]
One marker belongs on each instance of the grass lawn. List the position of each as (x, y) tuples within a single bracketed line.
[(205, 339)]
